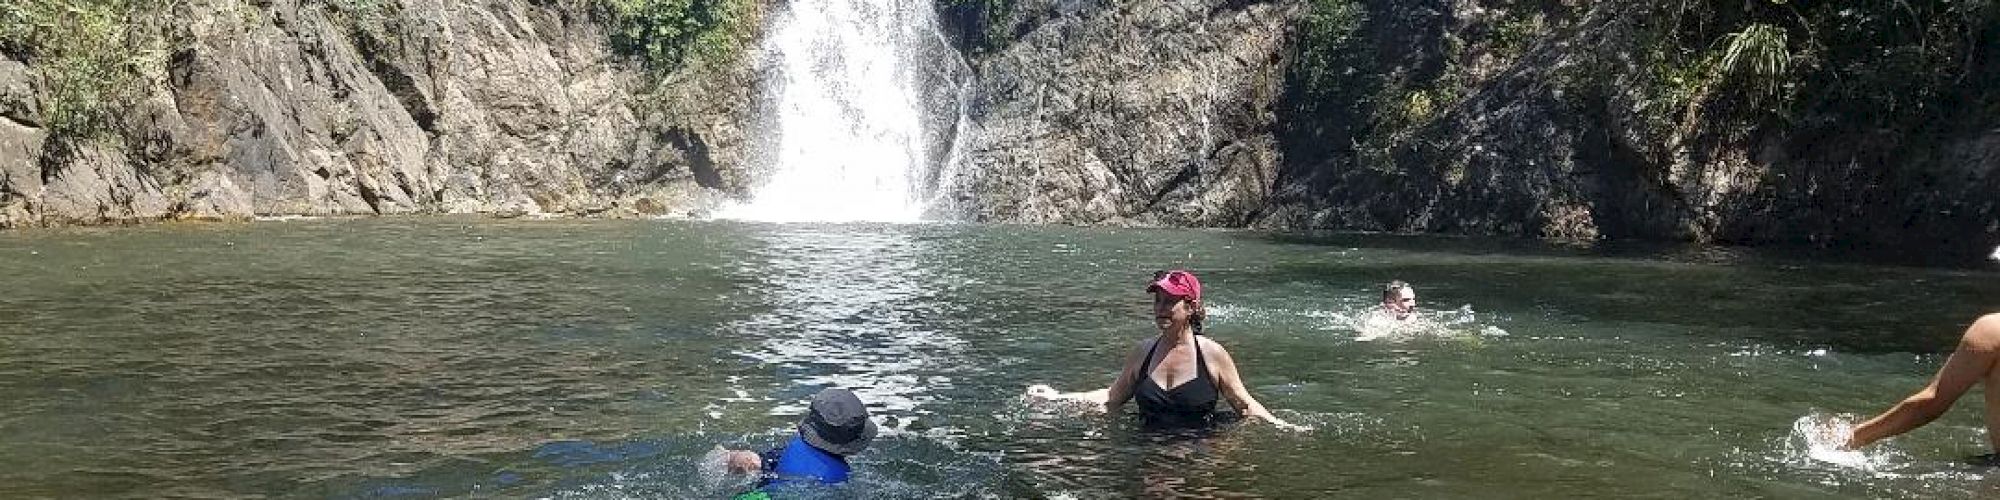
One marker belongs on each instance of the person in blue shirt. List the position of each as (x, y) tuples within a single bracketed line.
[(836, 427)]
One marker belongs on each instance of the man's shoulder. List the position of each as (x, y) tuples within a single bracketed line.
[(1984, 332), (1989, 324)]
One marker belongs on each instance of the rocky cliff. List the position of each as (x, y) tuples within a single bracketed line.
[(1146, 112), (1869, 128), (320, 108)]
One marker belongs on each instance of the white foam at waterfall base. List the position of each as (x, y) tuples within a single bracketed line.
[(850, 136)]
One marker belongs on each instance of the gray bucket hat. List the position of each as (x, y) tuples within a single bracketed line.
[(838, 423)]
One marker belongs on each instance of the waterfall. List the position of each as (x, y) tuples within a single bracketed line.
[(867, 98)]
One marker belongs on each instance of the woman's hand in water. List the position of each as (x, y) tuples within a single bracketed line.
[(1288, 426), (1044, 392), (1281, 424)]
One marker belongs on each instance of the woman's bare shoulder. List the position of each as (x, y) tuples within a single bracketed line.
[(1210, 346)]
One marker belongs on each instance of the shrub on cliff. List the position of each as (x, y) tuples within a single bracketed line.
[(671, 34), (92, 57), (1364, 66)]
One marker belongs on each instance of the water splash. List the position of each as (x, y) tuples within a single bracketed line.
[(1819, 437), (851, 109), (1462, 323)]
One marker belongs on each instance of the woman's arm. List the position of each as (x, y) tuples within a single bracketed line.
[(1109, 398), (1121, 389), (1223, 368)]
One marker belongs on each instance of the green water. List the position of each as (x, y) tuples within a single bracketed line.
[(414, 357)]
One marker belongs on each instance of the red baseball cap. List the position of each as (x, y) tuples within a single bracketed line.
[(1178, 283)]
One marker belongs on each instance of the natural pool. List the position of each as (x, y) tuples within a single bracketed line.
[(424, 357)]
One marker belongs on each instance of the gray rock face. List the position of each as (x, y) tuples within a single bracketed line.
[(94, 184), (20, 175), (1142, 112), (291, 107), (1482, 117), (1555, 143)]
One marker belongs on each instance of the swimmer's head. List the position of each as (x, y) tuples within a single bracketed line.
[(1177, 300), (1399, 299)]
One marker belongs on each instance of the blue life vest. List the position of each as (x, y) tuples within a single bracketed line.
[(803, 462)]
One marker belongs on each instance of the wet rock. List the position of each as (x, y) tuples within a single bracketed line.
[(1143, 112)]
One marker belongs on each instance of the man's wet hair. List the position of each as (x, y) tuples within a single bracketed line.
[(1389, 290)]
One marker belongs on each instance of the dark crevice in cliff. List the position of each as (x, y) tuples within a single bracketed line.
[(56, 152), (21, 121), (374, 52), (697, 154), (1188, 173), (368, 195)]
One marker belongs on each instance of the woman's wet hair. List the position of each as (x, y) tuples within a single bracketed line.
[(1196, 316)]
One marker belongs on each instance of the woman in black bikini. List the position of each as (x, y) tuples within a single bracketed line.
[(1178, 376)]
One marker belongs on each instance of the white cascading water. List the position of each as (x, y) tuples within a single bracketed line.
[(850, 142)]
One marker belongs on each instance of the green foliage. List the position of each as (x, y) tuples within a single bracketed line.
[(1512, 36), (671, 34), (93, 57), (367, 15), (1758, 56), (1327, 45), (359, 8), (1759, 50)]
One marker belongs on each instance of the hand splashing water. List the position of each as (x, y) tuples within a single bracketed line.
[(1820, 437)]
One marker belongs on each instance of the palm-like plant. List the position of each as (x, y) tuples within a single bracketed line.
[(1758, 54)]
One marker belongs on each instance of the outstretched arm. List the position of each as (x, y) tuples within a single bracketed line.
[(1224, 370), (1972, 360), (1108, 398)]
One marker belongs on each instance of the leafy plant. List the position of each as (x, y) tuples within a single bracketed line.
[(1327, 40), (671, 34), (92, 57), (1758, 53)]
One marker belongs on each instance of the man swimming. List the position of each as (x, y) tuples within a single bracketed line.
[(1399, 300), (1971, 363), (835, 426)]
